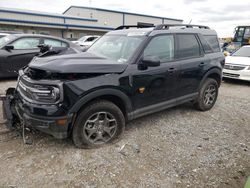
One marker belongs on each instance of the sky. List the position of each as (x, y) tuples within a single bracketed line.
[(220, 15)]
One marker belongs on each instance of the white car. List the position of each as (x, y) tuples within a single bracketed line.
[(86, 41), (3, 34), (237, 66)]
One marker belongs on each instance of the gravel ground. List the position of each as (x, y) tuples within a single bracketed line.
[(179, 147)]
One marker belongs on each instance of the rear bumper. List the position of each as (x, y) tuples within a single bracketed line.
[(239, 75), (14, 111)]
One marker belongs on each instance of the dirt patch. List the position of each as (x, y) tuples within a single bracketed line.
[(179, 147)]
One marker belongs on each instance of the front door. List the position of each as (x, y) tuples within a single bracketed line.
[(156, 84)]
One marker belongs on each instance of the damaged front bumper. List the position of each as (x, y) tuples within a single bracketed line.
[(17, 111)]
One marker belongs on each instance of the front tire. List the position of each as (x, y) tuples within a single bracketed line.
[(207, 95), (99, 123)]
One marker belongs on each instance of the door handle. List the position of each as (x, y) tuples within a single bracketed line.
[(171, 70), (202, 64)]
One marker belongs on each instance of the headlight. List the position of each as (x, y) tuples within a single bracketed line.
[(45, 93), (40, 93)]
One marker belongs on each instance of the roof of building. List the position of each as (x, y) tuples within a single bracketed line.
[(47, 14), (64, 17), (122, 12)]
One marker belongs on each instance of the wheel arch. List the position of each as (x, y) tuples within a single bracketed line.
[(214, 73), (115, 96)]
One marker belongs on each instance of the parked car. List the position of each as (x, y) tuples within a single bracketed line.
[(126, 74), (5, 33), (86, 41), (237, 66), (17, 50)]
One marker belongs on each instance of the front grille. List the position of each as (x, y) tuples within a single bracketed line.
[(24, 89), (234, 67), (231, 75)]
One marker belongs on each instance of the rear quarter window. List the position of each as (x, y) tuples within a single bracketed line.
[(213, 42)]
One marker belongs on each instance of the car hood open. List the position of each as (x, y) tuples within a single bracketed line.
[(78, 63)]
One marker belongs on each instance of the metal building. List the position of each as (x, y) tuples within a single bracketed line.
[(75, 22)]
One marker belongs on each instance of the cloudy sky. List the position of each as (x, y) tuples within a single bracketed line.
[(222, 15)]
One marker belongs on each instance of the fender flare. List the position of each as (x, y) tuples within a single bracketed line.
[(209, 72), (101, 92)]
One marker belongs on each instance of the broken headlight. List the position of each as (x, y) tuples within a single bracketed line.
[(40, 93), (46, 94)]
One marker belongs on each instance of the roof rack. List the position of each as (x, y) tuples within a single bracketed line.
[(161, 26), (139, 25), (167, 26)]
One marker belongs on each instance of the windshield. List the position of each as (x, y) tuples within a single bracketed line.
[(116, 47), (243, 52), (6, 39)]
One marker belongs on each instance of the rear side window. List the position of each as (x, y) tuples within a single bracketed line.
[(188, 46), (55, 43), (213, 42), (90, 39)]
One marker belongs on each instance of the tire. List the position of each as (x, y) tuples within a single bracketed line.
[(207, 95), (99, 123)]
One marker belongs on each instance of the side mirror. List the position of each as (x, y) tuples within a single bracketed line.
[(9, 47), (149, 61)]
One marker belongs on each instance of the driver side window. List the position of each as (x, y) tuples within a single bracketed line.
[(161, 47), (26, 43)]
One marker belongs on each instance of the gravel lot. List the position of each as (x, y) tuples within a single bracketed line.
[(179, 147)]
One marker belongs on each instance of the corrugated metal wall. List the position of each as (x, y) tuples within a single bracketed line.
[(76, 21)]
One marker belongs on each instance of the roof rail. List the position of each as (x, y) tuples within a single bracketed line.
[(167, 26), (139, 25)]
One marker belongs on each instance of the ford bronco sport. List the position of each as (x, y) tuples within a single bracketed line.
[(128, 73)]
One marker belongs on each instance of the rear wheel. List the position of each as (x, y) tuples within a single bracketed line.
[(207, 95), (99, 123)]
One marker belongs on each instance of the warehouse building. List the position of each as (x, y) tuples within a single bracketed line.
[(75, 22)]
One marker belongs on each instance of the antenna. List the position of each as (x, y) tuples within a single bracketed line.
[(188, 23)]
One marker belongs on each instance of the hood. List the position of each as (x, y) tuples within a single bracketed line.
[(77, 63), (238, 60)]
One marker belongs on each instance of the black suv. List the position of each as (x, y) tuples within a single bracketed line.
[(126, 74)]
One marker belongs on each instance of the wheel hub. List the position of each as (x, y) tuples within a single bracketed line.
[(210, 95), (100, 127)]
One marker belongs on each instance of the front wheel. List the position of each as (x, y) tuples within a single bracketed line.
[(99, 123), (207, 95)]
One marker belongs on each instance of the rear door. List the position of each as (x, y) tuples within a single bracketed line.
[(25, 49), (192, 63)]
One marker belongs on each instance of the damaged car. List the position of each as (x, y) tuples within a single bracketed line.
[(17, 50), (128, 73)]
